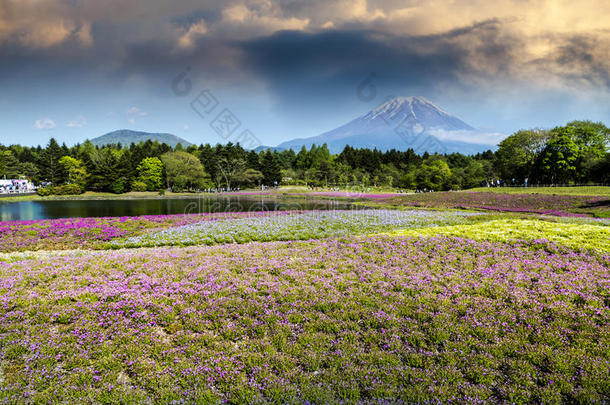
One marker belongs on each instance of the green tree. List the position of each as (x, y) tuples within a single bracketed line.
[(517, 155), (434, 174), (103, 169), (184, 171), (326, 171), (230, 171), (588, 134), (124, 173), (29, 170), (250, 178), (601, 171), (559, 157), (470, 175), (50, 168), (150, 172), (75, 171), (592, 139), (9, 165), (271, 169), (303, 159)]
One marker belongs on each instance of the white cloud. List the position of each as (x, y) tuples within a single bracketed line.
[(77, 122), (478, 137), (358, 10), (188, 39), (84, 34), (47, 34), (44, 123), (37, 24), (135, 111), (242, 21)]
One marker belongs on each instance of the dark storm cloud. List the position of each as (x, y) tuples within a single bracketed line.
[(299, 63), (322, 61), (242, 43), (583, 58)]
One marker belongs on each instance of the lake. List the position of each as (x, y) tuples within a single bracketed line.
[(52, 209)]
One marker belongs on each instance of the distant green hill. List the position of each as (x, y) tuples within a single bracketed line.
[(126, 137)]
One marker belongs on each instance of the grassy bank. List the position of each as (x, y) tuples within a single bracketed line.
[(300, 191), (603, 191), (91, 195), (287, 191)]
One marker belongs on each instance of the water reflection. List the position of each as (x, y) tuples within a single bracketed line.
[(33, 210)]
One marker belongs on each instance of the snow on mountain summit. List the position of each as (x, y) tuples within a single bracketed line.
[(416, 110), (400, 123)]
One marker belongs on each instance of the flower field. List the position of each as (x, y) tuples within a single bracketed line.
[(364, 306), (93, 233), (574, 235), (581, 190), (366, 319), (355, 193), (547, 204), (299, 226)]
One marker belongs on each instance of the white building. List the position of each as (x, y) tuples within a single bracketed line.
[(16, 186)]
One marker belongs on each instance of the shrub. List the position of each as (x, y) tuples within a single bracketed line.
[(45, 191), (67, 189), (138, 186), (119, 186)]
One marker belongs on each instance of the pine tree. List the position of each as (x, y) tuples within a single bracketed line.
[(271, 168), (50, 168)]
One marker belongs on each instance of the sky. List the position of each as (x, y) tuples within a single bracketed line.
[(76, 69)]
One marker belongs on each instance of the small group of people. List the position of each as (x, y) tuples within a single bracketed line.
[(315, 188), (219, 190), (500, 183), (492, 183)]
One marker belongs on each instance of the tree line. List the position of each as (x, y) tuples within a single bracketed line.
[(574, 153)]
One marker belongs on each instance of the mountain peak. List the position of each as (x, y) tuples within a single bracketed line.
[(398, 123), (127, 136), (415, 109), (409, 100)]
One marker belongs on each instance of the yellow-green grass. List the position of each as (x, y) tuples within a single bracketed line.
[(573, 235), (603, 191), (19, 197), (92, 195)]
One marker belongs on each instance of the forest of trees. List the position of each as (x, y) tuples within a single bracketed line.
[(574, 153)]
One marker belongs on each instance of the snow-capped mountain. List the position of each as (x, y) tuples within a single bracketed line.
[(413, 110), (400, 123)]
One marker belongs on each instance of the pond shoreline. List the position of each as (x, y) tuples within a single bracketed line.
[(40, 209)]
